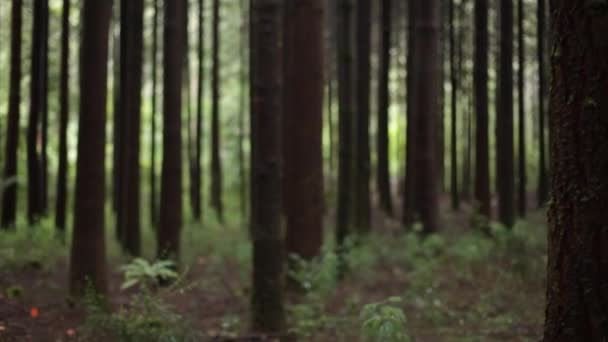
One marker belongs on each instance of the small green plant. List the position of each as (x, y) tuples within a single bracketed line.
[(148, 275), (384, 321)]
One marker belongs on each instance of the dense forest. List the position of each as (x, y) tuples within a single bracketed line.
[(310, 170)]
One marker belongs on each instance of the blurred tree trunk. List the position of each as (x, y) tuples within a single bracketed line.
[(522, 177), (480, 74), (268, 312), (504, 120), (87, 258), (410, 208), (9, 181), (577, 254), (153, 118), (198, 136), (216, 161), (382, 144), (170, 219), (303, 126), (64, 111), (543, 187), (455, 196), (44, 111)]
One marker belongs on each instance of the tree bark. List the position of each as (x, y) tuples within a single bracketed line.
[(9, 181), (87, 258), (455, 196), (153, 127), (216, 162), (543, 187), (198, 140), (522, 177), (577, 285), (170, 220), (268, 313)]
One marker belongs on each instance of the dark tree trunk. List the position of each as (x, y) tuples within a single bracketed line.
[(504, 121), (116, 123), (303, 125), (424, 94), (480, 75), (454, 108), (198, 140), (37, 92), (410, 208), (170, 221), (154, 59), (44, 112), (382, 144), (88, 258), (577, 284), (64, 110), (128, 210), (346, 111), (543, 187), (8, 186), (216, 162), (362, 150), (268, 313), (522, 177)]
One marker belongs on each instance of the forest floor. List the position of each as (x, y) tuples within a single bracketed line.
[(458, 285)]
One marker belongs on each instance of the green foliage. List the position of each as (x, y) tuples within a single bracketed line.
[(37, 247), (384, 321), (146, 274), (315, 276)]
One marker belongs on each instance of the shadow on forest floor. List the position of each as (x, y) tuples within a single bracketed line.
[(459, 285)]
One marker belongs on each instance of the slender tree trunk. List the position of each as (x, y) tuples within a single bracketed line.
[(242, 108), (216, 162), (44, 109), (198, 140), (303, 127), (170, 220), (577, 242), (268, 313), (454, 109), (480, 74), (425, 90), (504, 142), (410, 208), (362, 149), (382, 144), (522, 177), (8, 186), (88, 258), (543, 188), (153, 129), (346, 111), (64, 110)]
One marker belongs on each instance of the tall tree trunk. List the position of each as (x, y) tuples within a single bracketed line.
[(131, 36), (362, 149), (382, 144), (480, 75), (504, 121), (425, 91), (543, 187), (88, 258), (346, 111), (37, 89), (170, 220), (64, 110), (216, 162), (198, 140), (577, 242), (522, 177), (303, 126), (153, 127), (8, 186), (455, 196), (242, 108), (410, 208), (268, 313), (44, 112)]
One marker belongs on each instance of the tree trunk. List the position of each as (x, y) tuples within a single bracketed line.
[(216, 162), (64, 111), (153, 129), (88, 259), (543, 187), (504, 121), (303, 125), (410, 208), (9, 184), (521, 203), (170, 220), (362, 150), (425, 92), (268, 313), (198, 140), (382, 144), (242, 108), (577, 242), (480, 74), (346, 111), (44, 112)]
